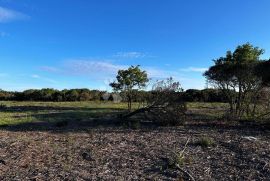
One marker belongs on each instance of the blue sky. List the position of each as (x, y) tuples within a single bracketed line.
[(82, 43)]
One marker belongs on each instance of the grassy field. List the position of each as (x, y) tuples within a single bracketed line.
[(24, 112), (201, 110), (13, 113)]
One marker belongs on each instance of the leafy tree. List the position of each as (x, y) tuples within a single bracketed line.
[(72, 95), (235, 74), (46, 94), (193, 95), (58, 96), (129, 80), (84, 95), (263, 70)]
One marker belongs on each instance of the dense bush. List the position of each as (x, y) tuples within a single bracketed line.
[(205, 95)]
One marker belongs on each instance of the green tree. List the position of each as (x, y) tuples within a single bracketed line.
[(263, 70), (72, 95), (235, 74), (129, 80)]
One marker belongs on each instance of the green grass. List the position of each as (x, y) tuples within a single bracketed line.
[(25, 112), (208, 110), (13, 113), (86, 104)]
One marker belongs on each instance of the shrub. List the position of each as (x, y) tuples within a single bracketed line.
[(205, 142)]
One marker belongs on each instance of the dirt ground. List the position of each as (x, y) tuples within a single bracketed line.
[(118, 153)]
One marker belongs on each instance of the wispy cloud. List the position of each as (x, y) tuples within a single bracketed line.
[(129, 55), (157, 73), (102, 72), (99, 68), (49, 69), (194, 69), (92, 67), (7, 15), (102, 68), (35, 76)]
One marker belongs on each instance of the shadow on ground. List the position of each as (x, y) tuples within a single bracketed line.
[(78, 119), (49, 118)]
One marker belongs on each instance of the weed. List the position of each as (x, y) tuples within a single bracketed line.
[(205, 142), (179, 159)]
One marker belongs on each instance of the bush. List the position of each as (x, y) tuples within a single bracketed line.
[(165, 105), (205, 142)]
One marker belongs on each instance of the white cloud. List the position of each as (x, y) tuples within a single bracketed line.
[(108, 70), (130, 55), (7, 15), (49, 69), (157, 73), (43, 79), (92, 67), (194, 69)]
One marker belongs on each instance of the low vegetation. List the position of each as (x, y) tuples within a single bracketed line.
[(205, 142)]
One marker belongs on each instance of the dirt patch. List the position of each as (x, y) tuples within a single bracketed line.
[(126, 154)]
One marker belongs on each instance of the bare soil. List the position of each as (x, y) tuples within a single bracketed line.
[(118, 153)]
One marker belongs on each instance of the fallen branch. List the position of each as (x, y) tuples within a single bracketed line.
[(185, 147), (185, 172), (178, 166)]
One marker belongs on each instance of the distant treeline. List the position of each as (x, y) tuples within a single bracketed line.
[(191, 95)]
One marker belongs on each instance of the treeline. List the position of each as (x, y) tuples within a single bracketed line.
[(205, 95), (53, 95)]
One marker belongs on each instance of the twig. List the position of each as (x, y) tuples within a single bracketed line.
[(185, 147), (177, 165), (186, 172), (265, 165)]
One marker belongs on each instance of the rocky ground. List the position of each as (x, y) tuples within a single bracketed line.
[(117, 153)]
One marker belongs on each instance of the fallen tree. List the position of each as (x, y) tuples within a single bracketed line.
[(164, 105)]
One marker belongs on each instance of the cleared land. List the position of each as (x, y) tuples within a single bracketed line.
[(83, 141)]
